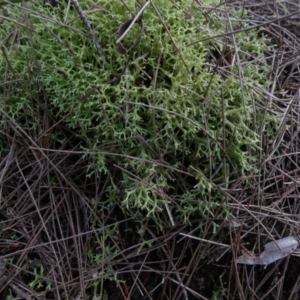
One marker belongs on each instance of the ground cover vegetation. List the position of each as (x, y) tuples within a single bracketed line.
[(142, 152)]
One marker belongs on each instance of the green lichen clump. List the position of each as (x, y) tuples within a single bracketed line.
[(162, 126)]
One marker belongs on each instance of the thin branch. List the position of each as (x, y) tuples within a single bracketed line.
[(90, 31)]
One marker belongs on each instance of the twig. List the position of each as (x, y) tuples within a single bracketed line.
[(90, 31), (7, 161), (133, 21)]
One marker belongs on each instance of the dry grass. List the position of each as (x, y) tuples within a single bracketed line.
[(54, 238)]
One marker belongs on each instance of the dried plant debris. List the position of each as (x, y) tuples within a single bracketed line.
[(273, 252), (2, 276)]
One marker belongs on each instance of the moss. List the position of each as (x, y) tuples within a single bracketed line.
[(169, 112)]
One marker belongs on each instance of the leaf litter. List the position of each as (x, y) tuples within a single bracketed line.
[(273, 251)]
